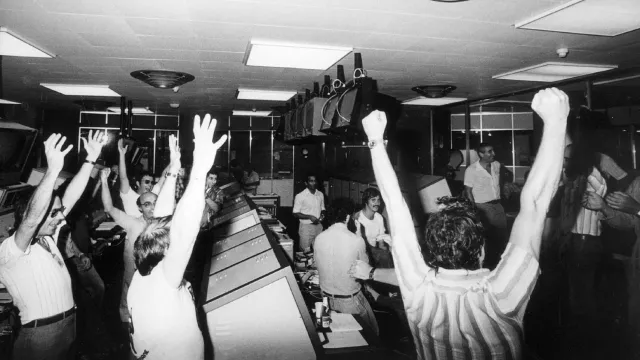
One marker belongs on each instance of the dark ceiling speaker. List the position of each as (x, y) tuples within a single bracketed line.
[(433, 91), (94, 105), (163, 79)]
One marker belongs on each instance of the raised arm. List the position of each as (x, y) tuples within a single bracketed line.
[(410, 266), (552, 105), (39, 202), (186, 220), (93, 145), (119, 216), (166, 201), (122, 167)]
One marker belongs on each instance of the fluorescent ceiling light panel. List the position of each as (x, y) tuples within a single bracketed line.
[(553, 71), (136, 110), (271, 95), (593, 17), (13, 45), (82, 90), (251, 113), (425, 101), (297, 56), (8, 102)]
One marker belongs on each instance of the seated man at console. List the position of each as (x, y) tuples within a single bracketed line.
[(163, 313), (31, 265), (335, 249), (455, 308)]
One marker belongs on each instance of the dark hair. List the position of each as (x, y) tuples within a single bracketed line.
[(142, 174), (339, 210), (454, 236), (212, 171), (310, 174), (483, 145), (368, 194), (151, 244)]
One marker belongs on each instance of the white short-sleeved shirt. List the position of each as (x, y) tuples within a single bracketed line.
[(485, 187), (129, 203), (308, 204), (39, 284), (163, 318), (372, 228)]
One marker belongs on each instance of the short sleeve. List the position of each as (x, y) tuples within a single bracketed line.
[(297, 204), (10, 251), (468, 176), (609, 166), (513, 281)]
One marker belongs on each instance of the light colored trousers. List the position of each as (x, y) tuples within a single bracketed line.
[(308, 233)]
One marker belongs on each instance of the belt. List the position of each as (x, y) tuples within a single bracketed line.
[(50, 319), (341, 296)]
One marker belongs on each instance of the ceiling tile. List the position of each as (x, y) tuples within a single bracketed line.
[(163, 9), (161, 27), (107, 39), (88, 7), (166, 42)]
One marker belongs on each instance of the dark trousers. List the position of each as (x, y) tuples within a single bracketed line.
[(583, 254), (49, 342), (494, 220)]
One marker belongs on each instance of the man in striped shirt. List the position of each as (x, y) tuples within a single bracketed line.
[(582, 247), (456, 309), (31, 266)]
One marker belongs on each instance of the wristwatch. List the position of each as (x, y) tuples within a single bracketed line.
[(373, 143)]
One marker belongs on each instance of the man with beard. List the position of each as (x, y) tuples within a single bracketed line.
[(31, 266)]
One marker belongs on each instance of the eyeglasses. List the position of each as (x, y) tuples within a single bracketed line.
[(57, 211), (148, 203), (146, 182)]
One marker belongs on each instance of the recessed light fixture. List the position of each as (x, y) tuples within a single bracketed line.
[(12, 45), (163, 79), (82, 90), (271, 95), (604, 18), (425, 101), (136, 110), (553, 71), (8, 102), (297, 56), (251, 113)]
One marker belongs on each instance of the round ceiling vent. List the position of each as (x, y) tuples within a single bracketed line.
[(163, 79), (94, 105), (433, 91)]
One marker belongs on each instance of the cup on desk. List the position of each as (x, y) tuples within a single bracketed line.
[(319, 312)]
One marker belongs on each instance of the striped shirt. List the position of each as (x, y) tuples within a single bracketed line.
[(38, 282), (587, 222), (461, 314)]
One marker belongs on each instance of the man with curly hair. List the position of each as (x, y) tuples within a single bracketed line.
[(456, 308)]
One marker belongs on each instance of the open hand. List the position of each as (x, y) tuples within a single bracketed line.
[(122, 149), (374, 125), (623, 202), (54, 153), (94, 143), (174, 154), (360, 270), (204, 152), (552, 105)]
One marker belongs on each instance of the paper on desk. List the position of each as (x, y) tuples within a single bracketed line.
[(344, 339), (344, 322)]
